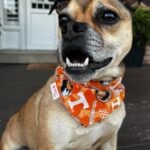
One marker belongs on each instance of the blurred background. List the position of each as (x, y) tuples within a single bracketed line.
[(28, 45), (27, 30)]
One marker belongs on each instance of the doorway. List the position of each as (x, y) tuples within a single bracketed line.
[(42, 29)]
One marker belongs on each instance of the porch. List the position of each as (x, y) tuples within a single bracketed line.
[(18, 82)]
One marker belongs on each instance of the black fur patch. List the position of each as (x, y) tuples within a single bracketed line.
[(54, 6)]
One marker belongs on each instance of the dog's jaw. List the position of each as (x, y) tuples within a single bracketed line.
[(105, 73)]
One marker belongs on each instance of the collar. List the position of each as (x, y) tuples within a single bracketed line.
[(91, 102)]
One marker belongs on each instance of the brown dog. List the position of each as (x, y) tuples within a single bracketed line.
[(96, 36)]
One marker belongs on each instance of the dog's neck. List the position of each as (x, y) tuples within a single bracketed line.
[(110, 74), (82, 100)]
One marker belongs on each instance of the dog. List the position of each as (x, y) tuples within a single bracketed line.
[(96, 36)]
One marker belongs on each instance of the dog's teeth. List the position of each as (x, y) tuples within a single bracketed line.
[(86, 61), (82, 65), (79, 65), (72, 65), (69, 64)]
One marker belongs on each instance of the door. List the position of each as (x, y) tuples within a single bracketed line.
[(0, 30), (1, 14), (42, 29), (9, 24)]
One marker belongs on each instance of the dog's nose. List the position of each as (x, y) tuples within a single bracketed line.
[(69, 28)]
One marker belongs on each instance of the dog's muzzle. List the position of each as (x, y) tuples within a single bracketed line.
[(71, 29), (78, 47)]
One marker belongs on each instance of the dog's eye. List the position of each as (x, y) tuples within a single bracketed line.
[(108, 17)]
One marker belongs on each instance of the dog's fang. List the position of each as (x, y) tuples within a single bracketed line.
[(68, 62), (86, 61)]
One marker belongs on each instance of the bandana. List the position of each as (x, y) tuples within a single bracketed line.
[(91, 102)]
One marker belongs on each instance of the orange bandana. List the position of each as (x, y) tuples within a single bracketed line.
[(89, 103)]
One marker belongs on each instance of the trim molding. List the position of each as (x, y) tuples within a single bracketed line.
[(28, 56)]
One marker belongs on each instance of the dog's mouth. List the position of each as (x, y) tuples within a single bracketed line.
[(78, 61)]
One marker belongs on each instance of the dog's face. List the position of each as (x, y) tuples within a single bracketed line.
[(96, 36)]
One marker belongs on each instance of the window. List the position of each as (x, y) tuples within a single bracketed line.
[(11, 12), (41, 4)]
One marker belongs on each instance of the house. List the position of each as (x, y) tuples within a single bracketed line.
[(26, 27), (28, 33)]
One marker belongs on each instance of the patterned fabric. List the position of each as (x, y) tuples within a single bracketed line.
[(91, 102)]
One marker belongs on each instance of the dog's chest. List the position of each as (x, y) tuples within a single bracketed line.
[(67, 134), (79, 137), (82, 138)]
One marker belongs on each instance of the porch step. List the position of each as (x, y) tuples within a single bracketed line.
[(28, 56), (43, 66)]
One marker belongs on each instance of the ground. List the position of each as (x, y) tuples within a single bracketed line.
[(17, 84)]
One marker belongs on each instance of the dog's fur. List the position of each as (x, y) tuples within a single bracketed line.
[(44, 124)]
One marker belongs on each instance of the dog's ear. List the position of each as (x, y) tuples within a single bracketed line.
[(58, 5), (53, 6), (133, 4), (146, 2)]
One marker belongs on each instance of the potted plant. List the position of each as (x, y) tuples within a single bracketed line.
[(141, 35)]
